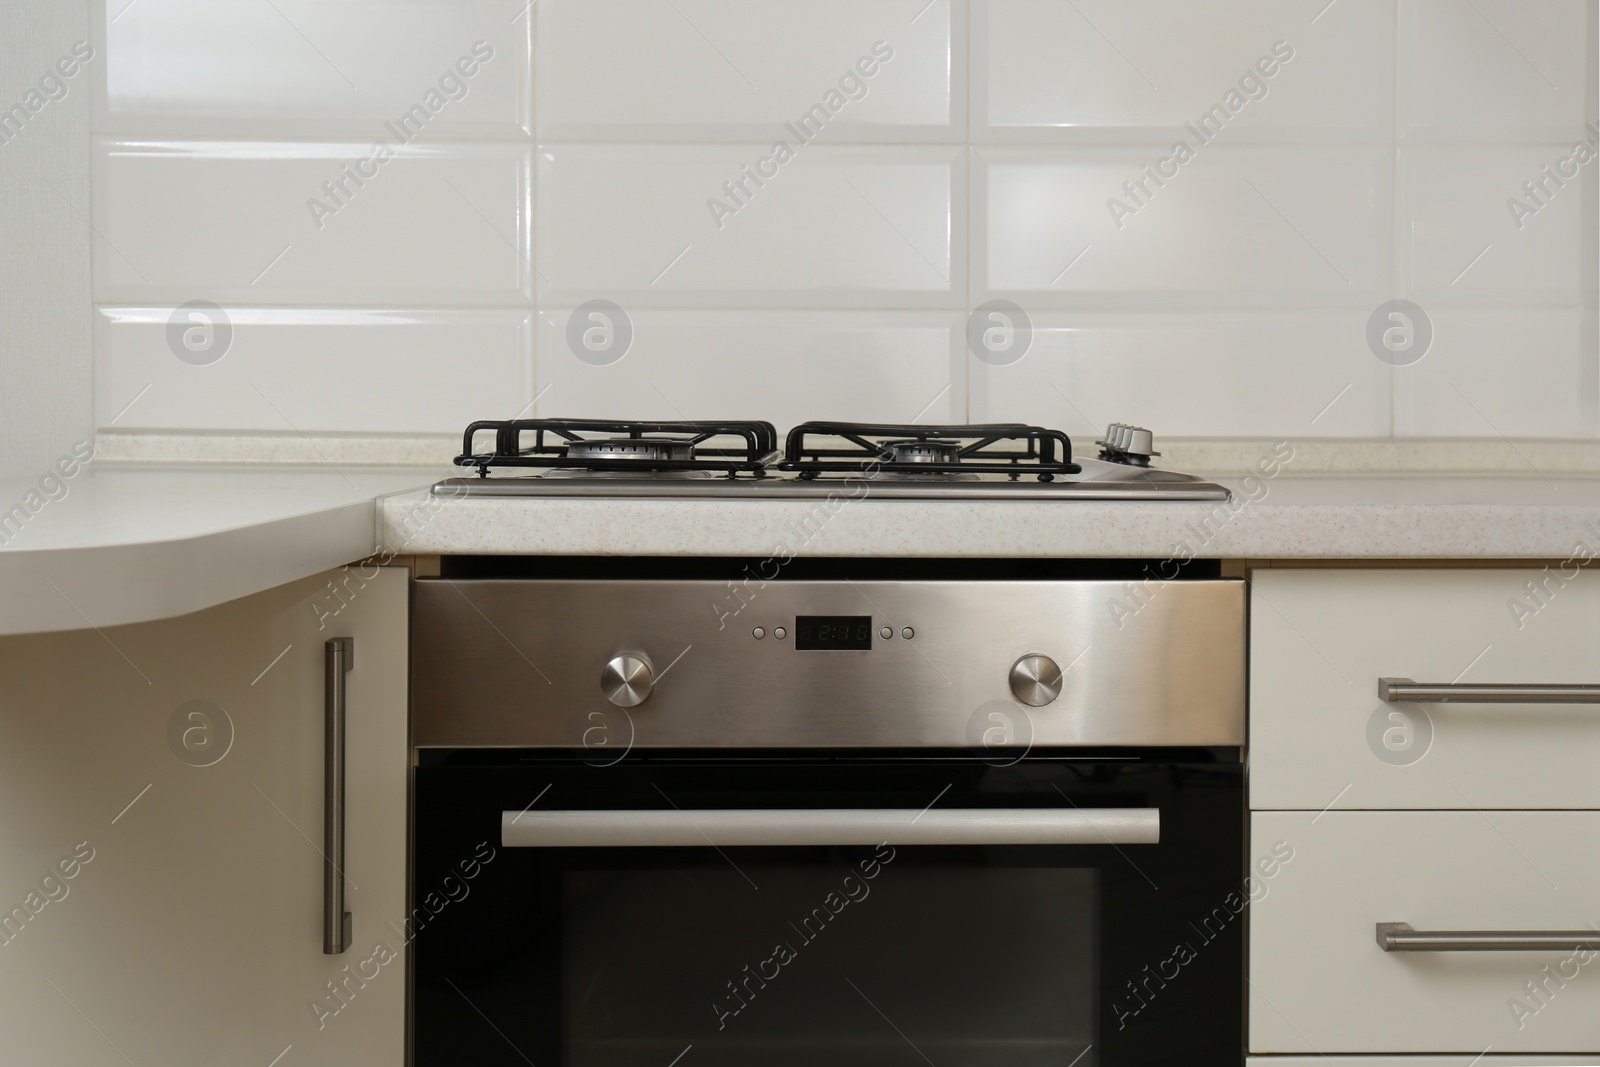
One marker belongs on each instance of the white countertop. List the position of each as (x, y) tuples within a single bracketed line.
[(128, 544), (131, 543), (1317, 516)]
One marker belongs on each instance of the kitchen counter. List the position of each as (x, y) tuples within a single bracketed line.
[(1305, 516), (128, 544), (113, 545)]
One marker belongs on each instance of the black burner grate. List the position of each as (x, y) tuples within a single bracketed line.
[(730, 447), (1016, 449)]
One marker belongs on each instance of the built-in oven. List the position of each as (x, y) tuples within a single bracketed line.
[(841, 821)]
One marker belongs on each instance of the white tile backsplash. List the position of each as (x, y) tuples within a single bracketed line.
[(256, 223), (1278, 374), (782, 366), (661, 226), (307, 370), (298, 68), (1138, 70), (1234, 227), (1477, 235), (1026, 150), (1500, 374), (730, 70), (1496, 70)]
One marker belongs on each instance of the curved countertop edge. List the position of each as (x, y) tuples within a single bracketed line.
[(128, 545), (112, 585)]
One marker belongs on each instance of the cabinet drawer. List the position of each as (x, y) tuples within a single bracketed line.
[(1321, 640), (1320, 982)]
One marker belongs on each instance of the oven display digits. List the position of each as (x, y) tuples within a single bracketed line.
[(833, 632)]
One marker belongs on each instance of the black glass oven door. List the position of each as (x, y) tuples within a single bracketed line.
[(1106, 953)]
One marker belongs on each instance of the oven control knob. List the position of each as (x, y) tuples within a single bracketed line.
[(1035, 680), (626, 680)]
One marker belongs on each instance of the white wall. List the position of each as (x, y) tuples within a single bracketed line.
[(1233, 300), (45, 362)]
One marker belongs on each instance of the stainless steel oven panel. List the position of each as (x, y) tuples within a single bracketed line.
[(519, 663)]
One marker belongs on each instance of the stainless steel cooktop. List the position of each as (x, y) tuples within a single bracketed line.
[(741, 461)]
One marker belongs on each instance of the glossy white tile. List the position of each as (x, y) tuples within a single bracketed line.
[(1125, 70), (737, 225), (1495, 70), (729, 70), (1277, 374), (1502, 224), (1501, 373), (1231, 227), (306, 370), (783, 366), (318, 167), (299, 68), (312, 223)]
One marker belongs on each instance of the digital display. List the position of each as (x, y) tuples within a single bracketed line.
[(833, 631)]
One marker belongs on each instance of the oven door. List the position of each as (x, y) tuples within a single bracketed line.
[(863, 912)]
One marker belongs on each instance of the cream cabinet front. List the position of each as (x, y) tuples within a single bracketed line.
[(1320, 982), (161, 863), (1322, 734)]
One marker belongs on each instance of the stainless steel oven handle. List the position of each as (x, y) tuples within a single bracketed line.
[(338, 655), (1400, 937), (1404, 690), (830, 826)]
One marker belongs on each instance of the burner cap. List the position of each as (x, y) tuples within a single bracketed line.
[(635, 449), (923, 451)]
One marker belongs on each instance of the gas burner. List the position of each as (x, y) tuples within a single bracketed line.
[(942, 452), (620, 445), (1014, 449), (644, 450)]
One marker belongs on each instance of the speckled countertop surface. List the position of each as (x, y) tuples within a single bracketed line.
[(120, 545), (1290, 516)]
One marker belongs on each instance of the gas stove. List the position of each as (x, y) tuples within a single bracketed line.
[(742, 460)]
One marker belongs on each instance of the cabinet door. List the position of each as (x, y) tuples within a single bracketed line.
[(161, 872)]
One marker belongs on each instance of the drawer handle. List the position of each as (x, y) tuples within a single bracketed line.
[(1404, 690), (1400, 937)]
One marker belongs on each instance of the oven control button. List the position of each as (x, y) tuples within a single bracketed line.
[(626, 680), (758, 633), (780, 633), (886, 633), (1035, 680)]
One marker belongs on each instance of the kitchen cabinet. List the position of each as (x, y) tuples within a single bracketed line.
[(1460, 815), (1321, 639), (1320, 982), (161, 873)]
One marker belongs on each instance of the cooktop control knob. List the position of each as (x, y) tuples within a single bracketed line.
[(1133, 445), (1035, 680), (626, 680)]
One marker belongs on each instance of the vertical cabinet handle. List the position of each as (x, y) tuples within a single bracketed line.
[(338, 654)]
